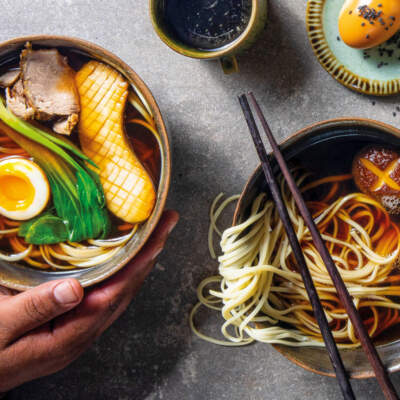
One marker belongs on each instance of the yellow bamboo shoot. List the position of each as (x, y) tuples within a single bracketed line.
[(128, 188)]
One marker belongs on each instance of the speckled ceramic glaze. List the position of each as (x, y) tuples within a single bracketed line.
[(21, 277), (367, 72), (227, 53), (329, 147)]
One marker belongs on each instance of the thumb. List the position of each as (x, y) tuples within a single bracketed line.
[(28, 310)]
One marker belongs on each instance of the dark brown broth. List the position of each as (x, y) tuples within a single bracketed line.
[(207, 24)]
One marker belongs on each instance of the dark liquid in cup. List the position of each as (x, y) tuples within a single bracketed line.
[(207, 24)]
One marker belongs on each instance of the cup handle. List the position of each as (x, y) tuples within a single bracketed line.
[(229, 64)]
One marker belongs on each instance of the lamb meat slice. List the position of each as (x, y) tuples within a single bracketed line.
[(49, 84), (16, 101), (9, 78)]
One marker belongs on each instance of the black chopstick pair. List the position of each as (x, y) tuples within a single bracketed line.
[(344, 296)]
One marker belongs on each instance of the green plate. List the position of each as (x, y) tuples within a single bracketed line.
[(366, 71)]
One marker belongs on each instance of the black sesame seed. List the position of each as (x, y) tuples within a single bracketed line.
[(394, 114), (373, 102), (363, 24), (338, 38)]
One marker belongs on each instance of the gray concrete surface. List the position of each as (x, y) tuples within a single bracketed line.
[(150, 352)]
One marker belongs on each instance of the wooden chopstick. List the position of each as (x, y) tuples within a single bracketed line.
[(344, 296), (318, 310)]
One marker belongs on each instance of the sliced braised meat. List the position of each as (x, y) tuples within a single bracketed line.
[(65, 126), (16, 102), (49, 86), (9, 78)]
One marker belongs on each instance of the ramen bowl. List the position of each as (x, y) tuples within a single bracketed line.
[(328, 147), (21, 277)]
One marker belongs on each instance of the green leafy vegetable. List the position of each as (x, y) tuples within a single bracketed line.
[(78, 196), (45, 229)]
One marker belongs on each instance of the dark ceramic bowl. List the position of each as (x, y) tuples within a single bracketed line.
[(329, 147), (21, 277)]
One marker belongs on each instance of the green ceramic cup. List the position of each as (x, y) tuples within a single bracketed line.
[(225, 54)]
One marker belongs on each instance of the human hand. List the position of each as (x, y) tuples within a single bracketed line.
[(44, 329)]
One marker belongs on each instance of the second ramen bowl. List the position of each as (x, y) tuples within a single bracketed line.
[(328, 147)]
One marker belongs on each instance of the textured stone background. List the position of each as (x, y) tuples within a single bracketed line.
[(150, 352)]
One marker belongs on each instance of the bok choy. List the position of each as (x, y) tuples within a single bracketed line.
[(80, 211)]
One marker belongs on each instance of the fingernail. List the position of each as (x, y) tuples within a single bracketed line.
[(64, 293), (157, 253), (172, 227)]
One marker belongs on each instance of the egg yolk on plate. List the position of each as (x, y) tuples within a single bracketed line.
[(367, 23), (24, 189)]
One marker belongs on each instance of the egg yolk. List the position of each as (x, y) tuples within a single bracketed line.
[(367, 23), (16, 192)]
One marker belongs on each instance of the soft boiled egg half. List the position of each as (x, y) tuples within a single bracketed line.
[(24, 189), (368, 23)]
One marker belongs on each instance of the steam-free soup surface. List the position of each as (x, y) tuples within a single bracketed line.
[(207, 24)]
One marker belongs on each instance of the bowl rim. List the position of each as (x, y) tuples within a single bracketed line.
[(162, 193), (292, 139)]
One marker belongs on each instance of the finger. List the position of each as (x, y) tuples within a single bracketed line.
[(127, 282), (149, 253), (107, 301), (33, 308), (128, 298), (125, 285), (33, 356)]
